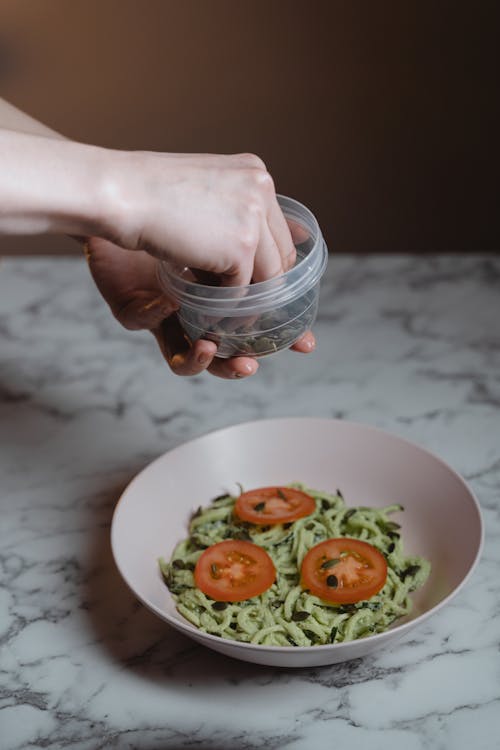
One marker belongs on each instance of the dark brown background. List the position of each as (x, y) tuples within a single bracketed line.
[(380, 116)]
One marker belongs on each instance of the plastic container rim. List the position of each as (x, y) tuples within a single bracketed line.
[(262, 295)]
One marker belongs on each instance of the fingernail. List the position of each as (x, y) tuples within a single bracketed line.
[(244, 372), (203, 358), (311, 344), (177, 361)]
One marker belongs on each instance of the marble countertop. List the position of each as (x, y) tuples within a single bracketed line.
[(409, 344)]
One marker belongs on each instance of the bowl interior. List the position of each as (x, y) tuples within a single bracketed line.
[(441, 520)]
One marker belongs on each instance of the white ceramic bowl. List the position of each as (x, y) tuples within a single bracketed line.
[(441, 520)]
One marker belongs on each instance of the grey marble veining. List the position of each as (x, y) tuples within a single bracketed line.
[(409, 344)]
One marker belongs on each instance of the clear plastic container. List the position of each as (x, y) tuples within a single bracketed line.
[(260, 318)]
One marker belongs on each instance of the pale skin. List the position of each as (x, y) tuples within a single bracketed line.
[(215, 213)]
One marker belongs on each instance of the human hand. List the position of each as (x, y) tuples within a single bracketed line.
[(215, 213), (127, 281)]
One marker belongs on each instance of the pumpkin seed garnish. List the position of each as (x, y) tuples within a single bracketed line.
[(259, 507), (300, 616), (410, 571), (332, 581), (178, 564), (330, 563), (242, 535), (334, 631), (219, 606), (282, 495)]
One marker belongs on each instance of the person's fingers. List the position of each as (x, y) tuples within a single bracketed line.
[(182, 357), (185, 358), (306, 343), (234, 368), (298, 232), (282, 235), (240, 274), (195, 360), (267, 262)]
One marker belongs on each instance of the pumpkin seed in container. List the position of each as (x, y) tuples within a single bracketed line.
[(260, 318)]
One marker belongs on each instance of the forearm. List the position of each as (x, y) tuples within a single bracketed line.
[(49, 185), (39, 190), (14, 119)]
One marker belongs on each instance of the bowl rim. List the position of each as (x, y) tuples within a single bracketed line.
[(401, 629)]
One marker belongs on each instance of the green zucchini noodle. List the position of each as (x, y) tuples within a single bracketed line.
[(286, 614)]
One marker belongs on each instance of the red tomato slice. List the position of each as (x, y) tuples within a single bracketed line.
[(268, 506), (234, 570), (343, 570)]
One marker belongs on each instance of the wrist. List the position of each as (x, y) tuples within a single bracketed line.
[(80, 205), (49, 185), (116, 200)]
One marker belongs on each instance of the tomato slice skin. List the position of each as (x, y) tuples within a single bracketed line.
[(343, 570), (268, 506), (234, 570)]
